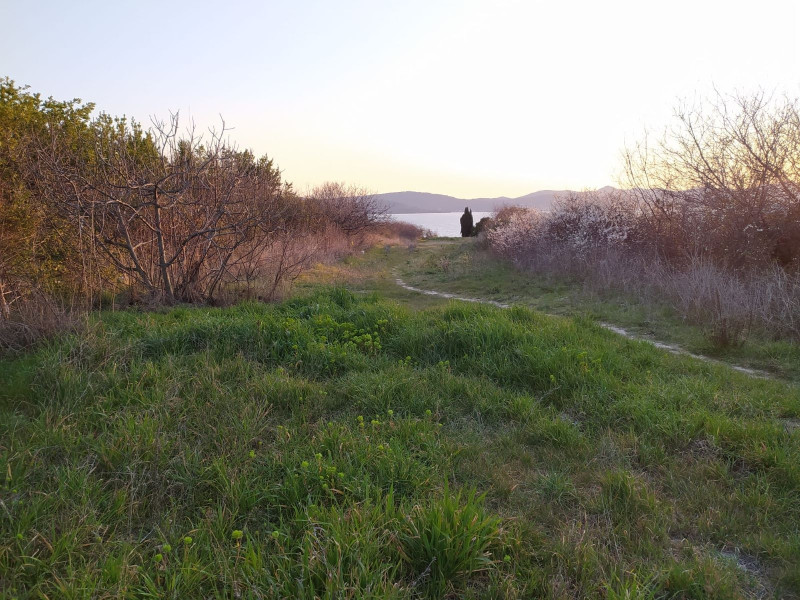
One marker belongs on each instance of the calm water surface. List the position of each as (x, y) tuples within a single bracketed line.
[(443, 224)]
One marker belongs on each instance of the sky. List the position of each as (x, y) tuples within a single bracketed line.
[(468, 98)]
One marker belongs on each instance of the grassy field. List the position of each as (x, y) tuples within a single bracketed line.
[(464, 268), (376, 443)]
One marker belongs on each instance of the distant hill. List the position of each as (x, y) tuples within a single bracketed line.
[(422, 202)]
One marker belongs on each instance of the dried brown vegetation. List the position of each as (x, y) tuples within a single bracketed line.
[(710, 221), (723, 182)]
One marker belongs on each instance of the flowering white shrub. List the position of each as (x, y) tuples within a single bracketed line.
[(516, 232), (606, 243), (586, 224), (580, 223)]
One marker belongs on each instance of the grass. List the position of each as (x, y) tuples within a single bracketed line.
[(463, 267), (345, 445)]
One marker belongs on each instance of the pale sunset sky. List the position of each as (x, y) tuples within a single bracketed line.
[(468, 98)]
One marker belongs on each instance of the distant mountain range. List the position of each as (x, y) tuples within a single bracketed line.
[(422, 202)]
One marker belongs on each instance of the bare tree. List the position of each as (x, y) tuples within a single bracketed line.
[(724, 180), (351, 208), (179, 216)]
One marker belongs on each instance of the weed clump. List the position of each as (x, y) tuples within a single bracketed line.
[(448, 540)]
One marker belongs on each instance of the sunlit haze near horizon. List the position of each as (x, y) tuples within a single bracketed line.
[(464, 98)]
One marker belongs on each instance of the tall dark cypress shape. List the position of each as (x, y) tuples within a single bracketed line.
[(466, 223)]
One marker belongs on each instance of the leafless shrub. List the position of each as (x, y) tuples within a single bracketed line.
[(294, 252), (351, 208), (780, 305), (34, 317), (725, 305), (723, 181), (400, 230)]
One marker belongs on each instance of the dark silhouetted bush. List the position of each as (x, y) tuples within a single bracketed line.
[(466, 223)]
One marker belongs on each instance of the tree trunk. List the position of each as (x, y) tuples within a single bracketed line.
[(5, 309), (162, 255)]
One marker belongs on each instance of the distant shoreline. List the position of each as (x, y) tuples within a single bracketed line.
[(404, 203), (443, 224)]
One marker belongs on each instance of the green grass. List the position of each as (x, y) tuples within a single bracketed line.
[(463, 267), (344, 446)]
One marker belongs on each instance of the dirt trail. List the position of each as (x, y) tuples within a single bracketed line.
[(619, 330), (411, 288)]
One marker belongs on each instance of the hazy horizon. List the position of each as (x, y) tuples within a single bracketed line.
[(469, 99)]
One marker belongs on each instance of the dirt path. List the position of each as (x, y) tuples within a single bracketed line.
[(618, 330), (411, 288)]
